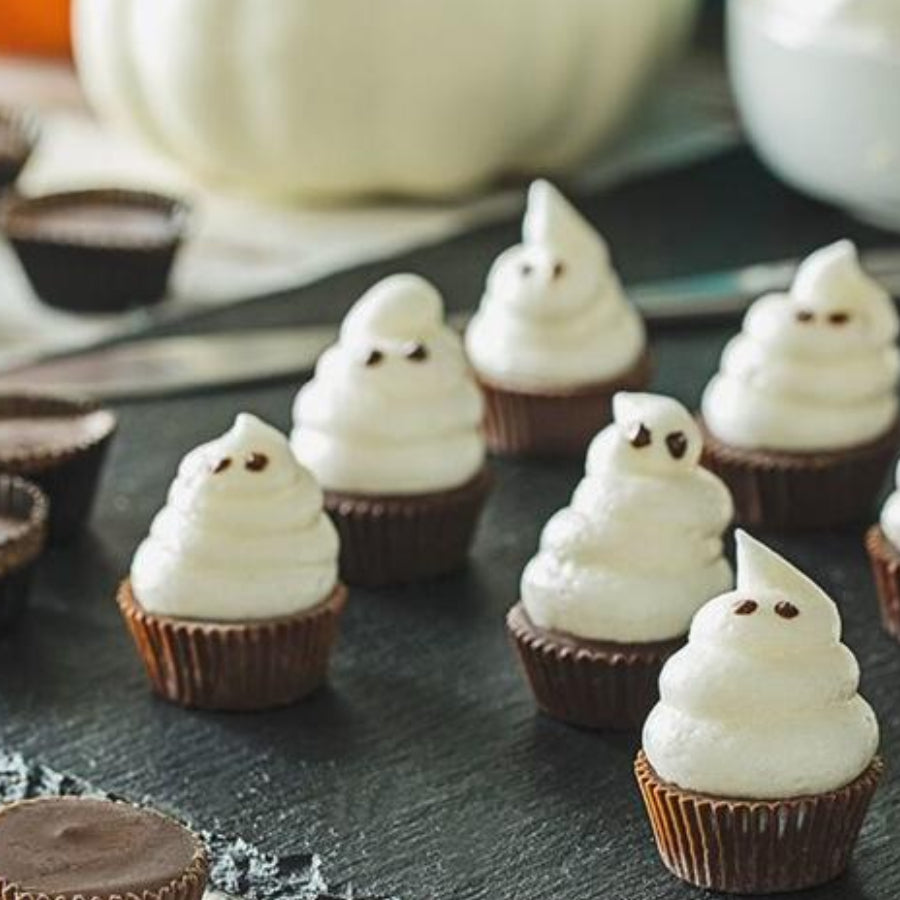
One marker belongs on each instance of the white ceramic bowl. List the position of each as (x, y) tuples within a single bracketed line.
[(818, 86)]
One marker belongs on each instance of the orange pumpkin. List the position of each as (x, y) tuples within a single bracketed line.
[(37, 27)]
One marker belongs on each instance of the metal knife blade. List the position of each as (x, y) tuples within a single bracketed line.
[(170, 365)]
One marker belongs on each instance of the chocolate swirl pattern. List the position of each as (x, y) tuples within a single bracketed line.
[(393, 407), (814, 369), (554, 315), (762, 703), (242, 536), (639, 549)]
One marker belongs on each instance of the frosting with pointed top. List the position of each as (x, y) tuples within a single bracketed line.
[(814, 369), (554, 316), (393, 407), (242, 536), (890, 513), (639, 549), (762, 703)]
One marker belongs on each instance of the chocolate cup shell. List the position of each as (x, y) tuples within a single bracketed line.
[(755, 846), (592, 684), (554, 423), (96, 276), (885, 559), (235, 666), (398, 539), (70, 475), (20, 550), (189, 886), (802, 491)]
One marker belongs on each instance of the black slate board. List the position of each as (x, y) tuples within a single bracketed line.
[(423, 771)]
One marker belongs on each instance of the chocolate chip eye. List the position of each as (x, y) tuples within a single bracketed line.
[(786, 610), (805, 316), (677, 444), (221, 465), (374, 358), (746, 608), (417, 352), (839, 318), (256, 462), (559, 270), (526, 269), (640, 436)]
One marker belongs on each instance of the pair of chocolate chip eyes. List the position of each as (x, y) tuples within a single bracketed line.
[(253, 462), (414, 353), (836, 318), (676, 442), (559, 269), (783, 608)]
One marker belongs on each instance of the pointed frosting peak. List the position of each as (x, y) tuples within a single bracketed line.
[(761, 569), (401, 307), (552, 220)]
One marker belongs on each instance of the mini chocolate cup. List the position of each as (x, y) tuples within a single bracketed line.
[(395, 539), (755, 846), (189, 885), (885, 560), (20, 547), (69, 474), (554, 423), (782, 491), (18, 137), (235, 666), (600, 685), (89, 272)]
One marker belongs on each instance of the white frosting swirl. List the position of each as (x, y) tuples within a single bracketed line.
[(890, 513), (815, 369), (762, 703), (554, 316), (393, 407), (243, 535), (639, 549)]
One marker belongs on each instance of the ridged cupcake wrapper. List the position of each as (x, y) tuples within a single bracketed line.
[(554, 424), (190, 886), (593, 687), (235, 666), (398, 539), (794, 492), (18, 552), (755, 847), (69, 476), (886, 569)]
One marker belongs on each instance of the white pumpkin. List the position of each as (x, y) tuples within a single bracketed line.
[(337, 98)]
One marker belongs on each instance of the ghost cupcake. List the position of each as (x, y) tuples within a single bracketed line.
[(883, 545), (233, 600), (801, 419), (759, 761), (391, 426), (621, 571), (554, 337)]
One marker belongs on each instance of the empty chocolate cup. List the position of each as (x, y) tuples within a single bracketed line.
[(23, 532), (18, 137), (60, 444), (98, 251)]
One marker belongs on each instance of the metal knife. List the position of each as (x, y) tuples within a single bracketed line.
[(171, 365)]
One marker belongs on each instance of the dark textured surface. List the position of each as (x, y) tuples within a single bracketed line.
[(423, 769)]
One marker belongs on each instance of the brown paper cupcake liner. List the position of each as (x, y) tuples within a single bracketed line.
[(592, 684), (802, 491), (755, 847), (235, 666), (21, 547), (84, 272), (885, 561), (397, 539), (554, 423), (68, 475), (191, 885)]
